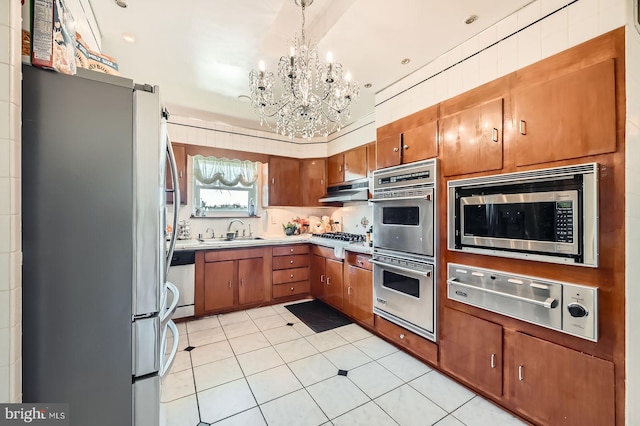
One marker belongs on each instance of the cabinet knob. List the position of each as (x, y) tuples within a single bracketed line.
[(523, 127), (359, 262), (291, 250), (405, 147), (402, 336), (395, 149), (180, 174), (229, 283), (321, 278), (493, 360), (291, 262), (292, 288), (328, 280), (241, 282), (340, 168), (291, 275), (273, 181)]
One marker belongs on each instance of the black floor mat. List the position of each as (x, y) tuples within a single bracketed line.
[(318, 316)]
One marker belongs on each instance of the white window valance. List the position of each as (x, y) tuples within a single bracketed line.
[(214, 171)]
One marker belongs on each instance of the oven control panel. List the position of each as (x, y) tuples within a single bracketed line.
[(565, 307)]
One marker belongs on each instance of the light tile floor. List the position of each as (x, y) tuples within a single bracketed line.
[(251, 368)]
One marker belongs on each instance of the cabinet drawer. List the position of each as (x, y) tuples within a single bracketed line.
[(359, 260), (295, 261), (288, 250), (421, 347), (290, 275), (284, 290)]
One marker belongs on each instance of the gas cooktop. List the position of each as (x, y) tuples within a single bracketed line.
[(340, 237)]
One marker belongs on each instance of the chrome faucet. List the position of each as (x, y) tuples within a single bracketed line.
[(231, 223), (213, 233)]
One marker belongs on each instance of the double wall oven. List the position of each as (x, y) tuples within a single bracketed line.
[(404, 223)]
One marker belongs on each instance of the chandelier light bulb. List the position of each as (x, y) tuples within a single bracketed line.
[(347, 77), (329, 57), (261, 66)]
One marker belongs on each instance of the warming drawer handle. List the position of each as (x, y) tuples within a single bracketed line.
[(426, 197), (548, 303), (400, 268)]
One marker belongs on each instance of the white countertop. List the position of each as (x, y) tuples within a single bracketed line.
[(263, 241)]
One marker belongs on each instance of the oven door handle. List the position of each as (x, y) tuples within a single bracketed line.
[(400, 268), (427, 197), (548, 303)]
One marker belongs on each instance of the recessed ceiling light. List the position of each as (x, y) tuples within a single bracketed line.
[(129, 38), (368, 86), (244, 98), (471, 19), (405, 61)]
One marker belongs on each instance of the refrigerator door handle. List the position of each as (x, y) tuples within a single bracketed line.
[(176, 205), (168, 312), (166, 364)]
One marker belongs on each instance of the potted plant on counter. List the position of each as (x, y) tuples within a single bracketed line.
[(290, 228)]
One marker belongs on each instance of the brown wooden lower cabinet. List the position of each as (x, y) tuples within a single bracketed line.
[(326, 276), (471, 349), (358, 288), (226, 279), (290, 275), (218, 288), (554, 385), (546, 383)]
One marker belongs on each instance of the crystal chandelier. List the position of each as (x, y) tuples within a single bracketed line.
[(315, 97)]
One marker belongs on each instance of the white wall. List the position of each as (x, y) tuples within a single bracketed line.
[(10, 233), (632, 218)]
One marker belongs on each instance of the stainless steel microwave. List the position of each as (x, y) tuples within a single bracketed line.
[(548, 215)]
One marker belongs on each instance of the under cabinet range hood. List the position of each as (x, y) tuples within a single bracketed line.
[(353, 191)]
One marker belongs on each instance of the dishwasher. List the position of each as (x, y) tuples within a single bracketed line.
[(182, 274)]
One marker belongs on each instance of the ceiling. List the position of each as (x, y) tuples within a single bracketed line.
[(201, 54)]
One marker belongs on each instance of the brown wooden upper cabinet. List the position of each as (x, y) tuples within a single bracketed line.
[(284, 181), (312, 174), (409, 139), (471, 139), (347, 166), (567, 117), (180, 153), (371, 158)]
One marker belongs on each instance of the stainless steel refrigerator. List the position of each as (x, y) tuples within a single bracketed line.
[(96, 305)]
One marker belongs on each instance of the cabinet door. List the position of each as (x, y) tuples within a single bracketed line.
[(471, 349), (371, 158), (420, 142), (355, 163), (555, 385), (284, 181), (359, 294), (317, 271), (251, 280), (312, 174), (333, 281), (388, 151), (180, 153), (335, 169), (568, 117), (218, 285), (472, 140)]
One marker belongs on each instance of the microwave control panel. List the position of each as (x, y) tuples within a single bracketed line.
[(564, 222)]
